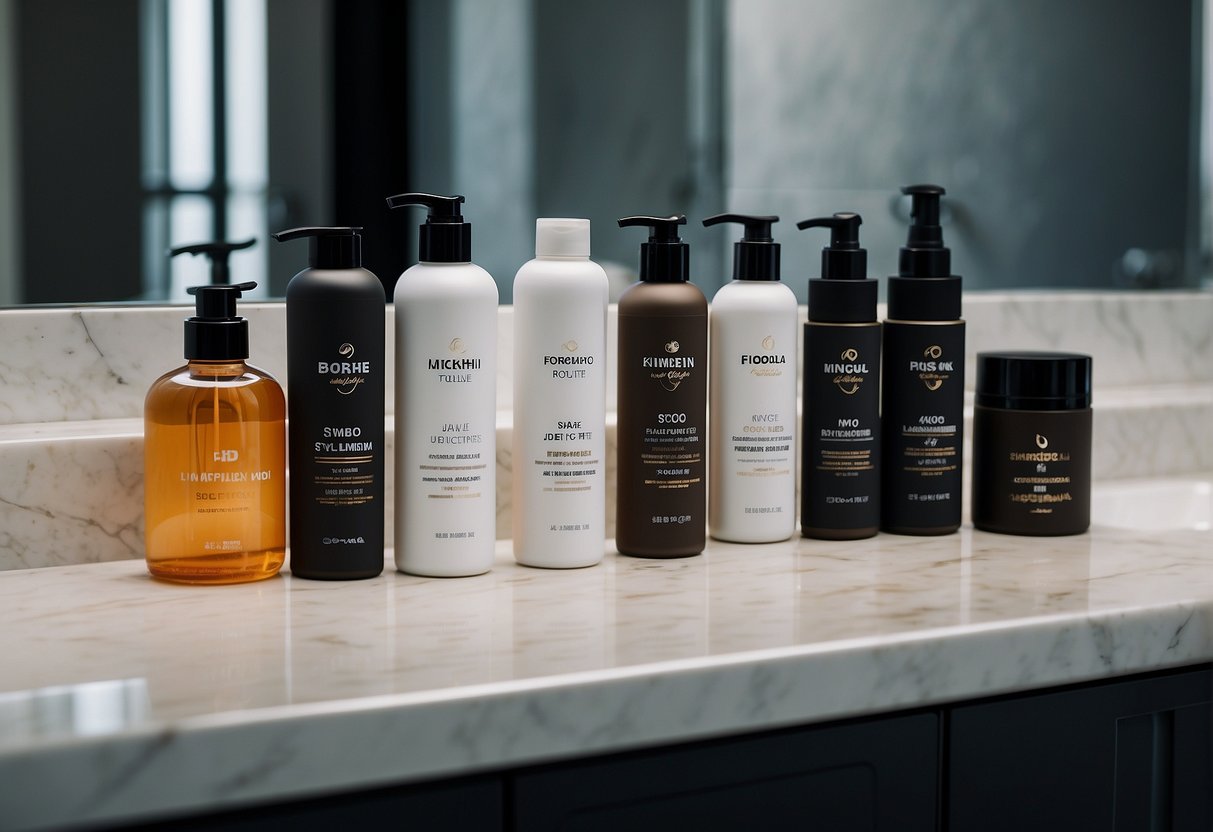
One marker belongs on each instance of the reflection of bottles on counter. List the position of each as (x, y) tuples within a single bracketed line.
[(559, 444), (215, 455), (662, 396), (446, 400), (335, 334), (840, 465), (923, 384), (752, 456), (661, 614)]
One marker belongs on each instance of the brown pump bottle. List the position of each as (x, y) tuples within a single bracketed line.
[(663, 373)]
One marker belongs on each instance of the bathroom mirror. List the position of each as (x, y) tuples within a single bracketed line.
[(1068, 135)]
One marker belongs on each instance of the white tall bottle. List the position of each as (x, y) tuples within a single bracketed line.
[(559, 451), (446, 401), (752, 360)]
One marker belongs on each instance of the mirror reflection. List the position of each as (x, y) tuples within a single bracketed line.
[(1069, 136)]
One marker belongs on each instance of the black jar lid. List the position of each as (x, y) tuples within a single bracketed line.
[(1034, 380)]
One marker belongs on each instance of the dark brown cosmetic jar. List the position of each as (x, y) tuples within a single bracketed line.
[(1032, 443)]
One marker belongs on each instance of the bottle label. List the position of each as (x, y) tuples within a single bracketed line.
[(223, 488), (841, 464), (662, 420), (568, 363), (673, 443), (214, 482), (923, 424), (344, 453), (761, 443), (455, 462), (1040, 477), (1032, 470), (568, 463)]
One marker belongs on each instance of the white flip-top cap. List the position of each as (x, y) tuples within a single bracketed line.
[(562, 237)]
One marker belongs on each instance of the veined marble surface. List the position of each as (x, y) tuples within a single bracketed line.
[(122, 698), (72, 383), (97, 362), (76, 488)]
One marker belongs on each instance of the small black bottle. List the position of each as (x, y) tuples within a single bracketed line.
[(840, 440), (335, 395), (923, 398)]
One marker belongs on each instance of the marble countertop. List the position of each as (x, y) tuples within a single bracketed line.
[(123, 698)]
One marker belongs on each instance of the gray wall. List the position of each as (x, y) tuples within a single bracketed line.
[(613, 114), (80, 198), (1064, 131), (300, 101), (10, 228)]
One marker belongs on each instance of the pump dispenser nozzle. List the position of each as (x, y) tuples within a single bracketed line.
[(843, 259), (925, 288), (329, 247), (924, 254), (445, 237), (665, 258), (218, 252), (844, 294), (216, 332), (756, 254)]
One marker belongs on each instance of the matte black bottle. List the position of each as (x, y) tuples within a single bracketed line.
[(663, 387), (840, 439), (335, 389), (923, 385)]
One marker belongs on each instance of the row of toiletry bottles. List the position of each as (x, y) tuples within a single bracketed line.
[(215, 441)]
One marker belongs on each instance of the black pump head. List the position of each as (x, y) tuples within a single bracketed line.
[(925, 288), (756, 254), (665, 258), (216, 332), (843, 259), (924, 254), (844, 295), (218, 252), (445, 237), (329, 247)]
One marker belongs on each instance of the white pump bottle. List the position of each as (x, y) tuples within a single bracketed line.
[(752, 432), (446, 401)]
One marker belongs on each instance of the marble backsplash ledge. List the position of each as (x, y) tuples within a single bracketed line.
[(75, 498), (97, 363), (1136, 338)]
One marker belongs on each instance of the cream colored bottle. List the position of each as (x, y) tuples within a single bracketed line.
[(559, 435), (446, 401), (752, 359)]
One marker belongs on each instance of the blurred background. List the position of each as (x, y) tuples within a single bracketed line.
[(1072, 135)]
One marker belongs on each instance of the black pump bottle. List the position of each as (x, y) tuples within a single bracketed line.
[(923, 390), (663, 385), (335, 389), (840, 440)]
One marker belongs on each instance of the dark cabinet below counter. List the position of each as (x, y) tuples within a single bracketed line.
[(878, 774), (1127, 754)]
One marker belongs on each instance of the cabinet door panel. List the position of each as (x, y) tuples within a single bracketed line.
[(469, 805), (1120, 755), (875, 775)]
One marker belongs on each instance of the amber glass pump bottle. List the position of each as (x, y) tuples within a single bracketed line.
[(215, 455)]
